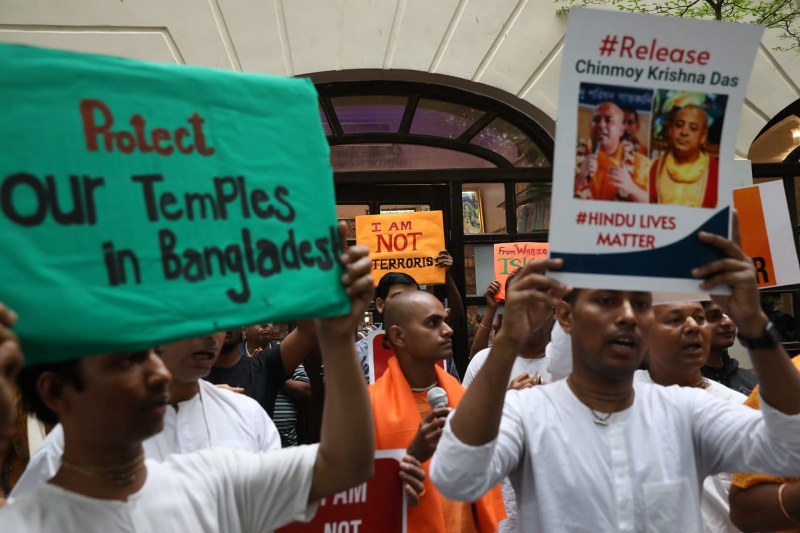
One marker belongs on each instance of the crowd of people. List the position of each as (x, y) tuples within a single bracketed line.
[(590, 410), (613, 164)]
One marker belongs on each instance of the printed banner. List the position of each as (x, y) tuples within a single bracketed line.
[(766, 232), (648, 117), (378, 354), (142, 202), (511, 256), (377, 506), (404, 242)]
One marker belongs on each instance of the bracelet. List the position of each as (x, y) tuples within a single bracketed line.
[(783, 509), (480, 325)]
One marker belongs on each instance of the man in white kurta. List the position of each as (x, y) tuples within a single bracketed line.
[(678, 345), (598, 452), (531, 367), (643, 470), (714, 507), (214, 491), (212, 418), (110, 403)]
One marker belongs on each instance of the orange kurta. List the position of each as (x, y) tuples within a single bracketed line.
[(600, 186), (397, 418)]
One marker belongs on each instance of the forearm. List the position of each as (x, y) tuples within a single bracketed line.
[(298, 345), (757, 509), (778, 378), (297, 389), (481, 338), (463, 473), (347, 437), (455, 304), (477, 419)]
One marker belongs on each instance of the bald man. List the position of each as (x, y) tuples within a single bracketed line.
[(686, 174), (678, 344), (608, 167), (416, 328)]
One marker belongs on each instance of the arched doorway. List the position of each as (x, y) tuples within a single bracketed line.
[(411, 140), (775, 154)]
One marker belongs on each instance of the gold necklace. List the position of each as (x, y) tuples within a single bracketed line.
[(423, 389), (247, 349), (122, 475)]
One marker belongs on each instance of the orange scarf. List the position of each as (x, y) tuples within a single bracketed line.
[(397, 419), (682, 183), (624, 157)]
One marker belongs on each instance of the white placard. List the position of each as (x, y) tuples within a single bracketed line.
[(626, 210)]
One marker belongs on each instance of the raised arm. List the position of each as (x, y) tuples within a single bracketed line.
[(347, 439), (10, 364), (779, 380), (529, 301), (455, 306), (10, 352), (298, 345), (481, 338)]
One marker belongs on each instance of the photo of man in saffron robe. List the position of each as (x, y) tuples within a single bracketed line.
[(686, 173), (609, 165)]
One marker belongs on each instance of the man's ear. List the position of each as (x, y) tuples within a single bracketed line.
[(397, 336), (379, 304), (564, 315), (52, 390)]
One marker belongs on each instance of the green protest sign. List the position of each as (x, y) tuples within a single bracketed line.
[(141, 202)]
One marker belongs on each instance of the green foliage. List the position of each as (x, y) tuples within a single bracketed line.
[(782, 15)]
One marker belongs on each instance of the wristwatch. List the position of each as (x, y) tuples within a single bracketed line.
[(770, 338)]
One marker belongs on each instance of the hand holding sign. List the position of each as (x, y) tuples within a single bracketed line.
[(530, 299), (413, 477), (358, 284), (443, 259), (737, 272)]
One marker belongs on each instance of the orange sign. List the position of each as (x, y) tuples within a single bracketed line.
[(377, 506), (766, 231), (404, 242), (511, 256)]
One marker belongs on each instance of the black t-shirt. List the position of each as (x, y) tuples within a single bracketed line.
[(730, 375), (261, 376)]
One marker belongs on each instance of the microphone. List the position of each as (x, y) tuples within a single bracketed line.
[(437, 398)]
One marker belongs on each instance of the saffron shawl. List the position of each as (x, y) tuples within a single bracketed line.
[(396, 417)]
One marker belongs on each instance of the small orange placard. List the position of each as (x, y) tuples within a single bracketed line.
[(405, 242), (511, 256)]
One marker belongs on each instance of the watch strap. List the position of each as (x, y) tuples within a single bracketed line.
[(768, 339)]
